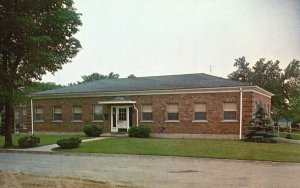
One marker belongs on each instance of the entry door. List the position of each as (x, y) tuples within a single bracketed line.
[(120, 118)]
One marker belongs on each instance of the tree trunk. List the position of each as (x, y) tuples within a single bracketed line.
[(8, 123)]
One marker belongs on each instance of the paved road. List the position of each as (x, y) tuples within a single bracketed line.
[(151, 171)]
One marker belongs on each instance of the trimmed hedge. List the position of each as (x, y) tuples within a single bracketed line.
[(92, 130), (28, 141), (139, 132), (69, 143), (289, 136)]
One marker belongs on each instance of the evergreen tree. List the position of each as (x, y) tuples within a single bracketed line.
[(260, 128)]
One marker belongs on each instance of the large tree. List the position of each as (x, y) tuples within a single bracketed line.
[(284, 84), (95, 76), (36, 37)]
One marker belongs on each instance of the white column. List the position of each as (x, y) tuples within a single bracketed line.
[(137, 115), (241, 112), (31, 107)]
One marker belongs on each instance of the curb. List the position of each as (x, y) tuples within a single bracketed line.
[(144, 156)]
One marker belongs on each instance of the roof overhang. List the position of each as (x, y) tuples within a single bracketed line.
[(116, 102)]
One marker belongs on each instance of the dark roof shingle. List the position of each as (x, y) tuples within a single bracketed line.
[(169, 82)]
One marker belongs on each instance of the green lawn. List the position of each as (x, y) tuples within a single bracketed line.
[(44, 139), (295, 135), (228, 149)]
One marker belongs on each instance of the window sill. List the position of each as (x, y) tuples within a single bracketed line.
[(146, 121), (38, 121), (56, 121), (98, 121), (200, 121), (172, 121), (77, 121), (225, 121)]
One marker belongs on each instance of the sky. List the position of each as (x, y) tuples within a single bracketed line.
[(166, 37)]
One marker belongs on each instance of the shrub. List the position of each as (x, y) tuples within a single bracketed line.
[(288, 136), (28, 141), (92, 130), (69, 143), (139, 132)]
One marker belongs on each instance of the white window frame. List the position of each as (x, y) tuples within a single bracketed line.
[(35, 113), (174, 111), (195, 111), (236, 112), (73, 113), (102, 114), (147, 111), (24, 110), (53, 114)]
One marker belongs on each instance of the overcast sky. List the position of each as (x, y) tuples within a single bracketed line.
[(163, 37)]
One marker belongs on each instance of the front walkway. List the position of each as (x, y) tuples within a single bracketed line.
[(48, 148)]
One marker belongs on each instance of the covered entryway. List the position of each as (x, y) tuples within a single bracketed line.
[(120, 117), (121, 113)]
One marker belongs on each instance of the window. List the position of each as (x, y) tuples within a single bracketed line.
[(172, 112), (76, 113), (200, 112), (17, 114), (147, 112), (98, 113), (122, 114), (230, 110), (57, 116), (23, 125), (24, 111), (38, 113)]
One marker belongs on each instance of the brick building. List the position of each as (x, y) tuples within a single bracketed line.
[(181, 104)]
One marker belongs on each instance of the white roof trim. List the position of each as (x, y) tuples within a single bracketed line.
[(116, 102), (255, 89)]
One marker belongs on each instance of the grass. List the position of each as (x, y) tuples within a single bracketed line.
[(44, 139), (227, 149), (295, 135)]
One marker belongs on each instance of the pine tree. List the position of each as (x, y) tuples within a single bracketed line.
[(260, 128)]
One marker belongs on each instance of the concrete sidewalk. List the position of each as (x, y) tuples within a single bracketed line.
[(48, 148)]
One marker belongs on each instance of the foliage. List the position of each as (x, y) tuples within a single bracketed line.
[(2, 120), (34, 87), (28, 141), (69, 143), (288, 136), (36, 37), (141, 131), (92, 130), (260, 128), (284, 84), (41, 86), (44, 139), (94, 77), (97, 76)]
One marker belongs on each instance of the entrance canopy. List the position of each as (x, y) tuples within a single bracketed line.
[(117, 100)]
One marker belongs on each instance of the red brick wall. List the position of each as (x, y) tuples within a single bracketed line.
[(214, 101)]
